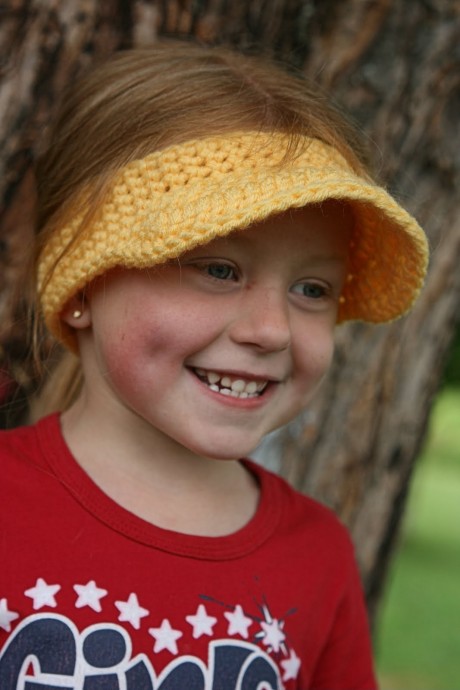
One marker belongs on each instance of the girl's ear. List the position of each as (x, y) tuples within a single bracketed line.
[(76, 312)]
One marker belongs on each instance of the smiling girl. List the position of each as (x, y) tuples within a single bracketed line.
[(204, 223)]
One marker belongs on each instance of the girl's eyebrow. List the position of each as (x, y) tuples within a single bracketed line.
[(303, 263)]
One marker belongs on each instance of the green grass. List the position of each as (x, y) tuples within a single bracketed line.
[(418, 634)]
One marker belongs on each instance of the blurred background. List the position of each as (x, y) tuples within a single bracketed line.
[(418, 632)]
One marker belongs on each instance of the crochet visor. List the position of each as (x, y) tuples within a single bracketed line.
[(186, 195)]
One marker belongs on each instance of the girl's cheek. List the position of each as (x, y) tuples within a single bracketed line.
[(314, 369)]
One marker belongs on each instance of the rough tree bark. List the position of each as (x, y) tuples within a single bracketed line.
[(394, 65)]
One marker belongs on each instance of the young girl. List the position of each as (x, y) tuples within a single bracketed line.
[(204, 222)]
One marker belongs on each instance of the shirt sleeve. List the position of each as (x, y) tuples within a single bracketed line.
[(346, 662)]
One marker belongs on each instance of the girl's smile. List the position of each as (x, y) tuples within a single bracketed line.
[(221, 346), (236, 385)]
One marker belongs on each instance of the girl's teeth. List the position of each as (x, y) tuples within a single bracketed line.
[(238, 388)]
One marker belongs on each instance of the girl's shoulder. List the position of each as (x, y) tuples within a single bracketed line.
[(302, 517), (24, 445)]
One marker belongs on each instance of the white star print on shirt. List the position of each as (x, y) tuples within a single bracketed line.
[(165, 637), (43, 594), (238, 622), (89, 595), (131, 612), (202, 623), (291, 666), (273, 635), (6, 616)]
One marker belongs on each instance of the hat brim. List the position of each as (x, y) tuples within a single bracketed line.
[(388, 254)]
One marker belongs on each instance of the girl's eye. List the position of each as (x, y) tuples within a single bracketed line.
[(310, 290), (219, 271)]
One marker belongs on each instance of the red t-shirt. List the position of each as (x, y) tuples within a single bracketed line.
[(94, 598)]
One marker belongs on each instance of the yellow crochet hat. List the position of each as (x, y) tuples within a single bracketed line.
[(183, 196)]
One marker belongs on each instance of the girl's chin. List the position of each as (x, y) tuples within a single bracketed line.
[(228, 452)]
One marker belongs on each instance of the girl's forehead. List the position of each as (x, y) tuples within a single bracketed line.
[(324, 228)]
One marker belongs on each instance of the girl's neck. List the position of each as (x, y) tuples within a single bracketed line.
[(156, 478)]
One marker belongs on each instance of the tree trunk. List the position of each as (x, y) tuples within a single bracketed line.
[(394, 65)]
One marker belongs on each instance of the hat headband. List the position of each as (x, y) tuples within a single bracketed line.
[(186, 195)]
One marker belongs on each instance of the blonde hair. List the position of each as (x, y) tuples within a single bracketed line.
[(141, 101)]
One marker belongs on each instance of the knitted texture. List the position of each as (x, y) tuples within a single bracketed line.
[(175, 199)]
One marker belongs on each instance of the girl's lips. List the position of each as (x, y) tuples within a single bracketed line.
[(231, 384)]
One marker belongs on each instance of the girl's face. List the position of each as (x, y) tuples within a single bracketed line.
[(229, 342)]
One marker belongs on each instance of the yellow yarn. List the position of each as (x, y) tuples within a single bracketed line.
[(186, 195)]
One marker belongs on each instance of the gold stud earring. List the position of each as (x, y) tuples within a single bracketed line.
[(76, 314)]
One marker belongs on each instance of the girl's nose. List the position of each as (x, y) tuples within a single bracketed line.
[(263, 320)]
